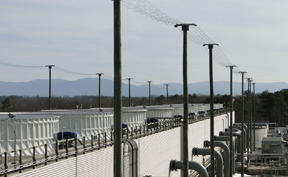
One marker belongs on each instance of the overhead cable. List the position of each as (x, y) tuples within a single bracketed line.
[(195, 34)]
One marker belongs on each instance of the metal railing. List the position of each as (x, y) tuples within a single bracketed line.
[(71, 147)]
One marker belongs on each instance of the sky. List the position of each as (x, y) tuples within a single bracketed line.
[(78, 36)]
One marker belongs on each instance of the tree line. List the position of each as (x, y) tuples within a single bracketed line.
[(268, 106)]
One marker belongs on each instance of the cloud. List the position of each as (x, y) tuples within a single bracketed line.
[(78, 36)]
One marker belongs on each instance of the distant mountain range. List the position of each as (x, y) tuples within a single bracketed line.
[(89, 86)]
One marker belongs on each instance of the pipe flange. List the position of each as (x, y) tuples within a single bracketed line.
[(173, 165), (206, 143), (194, 151)]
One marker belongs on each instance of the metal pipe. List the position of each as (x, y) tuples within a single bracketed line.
[(218, 157), (247, 135), (226, 155), (117, 90), (244, 135), (222, 137), (174, 165), (237, 133)]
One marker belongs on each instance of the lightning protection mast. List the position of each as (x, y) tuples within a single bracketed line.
[(184, 149), (167, 97), (242, 125), (117, 90), (99, 96), (129, 79), (149, 92), (50, 67), (231, 114), (210, 47)]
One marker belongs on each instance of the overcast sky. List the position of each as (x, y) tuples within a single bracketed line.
[(78, 36)]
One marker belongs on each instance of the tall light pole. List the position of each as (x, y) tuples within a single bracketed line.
[(129, 91), (185, 153), (242, 125), (99, 97), (231, 116), (117, 90), (210, 47), (50, 67), (254, 117), (167, 97), (149, 93)]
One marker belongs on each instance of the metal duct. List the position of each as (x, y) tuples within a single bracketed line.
[(174, 165), (218, 157), (226, 155)]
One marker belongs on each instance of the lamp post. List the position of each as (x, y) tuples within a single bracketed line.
[(185, 28), (231, 116), (99, 96), (242, 125), (149, 92), (210, 47), (129, 91), (50, 67)]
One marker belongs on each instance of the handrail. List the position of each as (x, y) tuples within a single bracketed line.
[(96, 142)]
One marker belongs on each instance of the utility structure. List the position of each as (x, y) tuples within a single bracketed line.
[(50, 67), (117, 90), (99, 94), (129, 79), (249, 113), (185, 153), (231, 115), (242, 125), (210, 47), (167, 97), (254, 116), (149, 92)]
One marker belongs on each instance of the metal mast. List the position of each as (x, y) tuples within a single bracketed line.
[(242, 125), (254, 117), (167, 97), (149, 92), (117, 91), (231, 116), (99, 96), (129, 91), (210, 47), (185, 153), (50, 67)]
